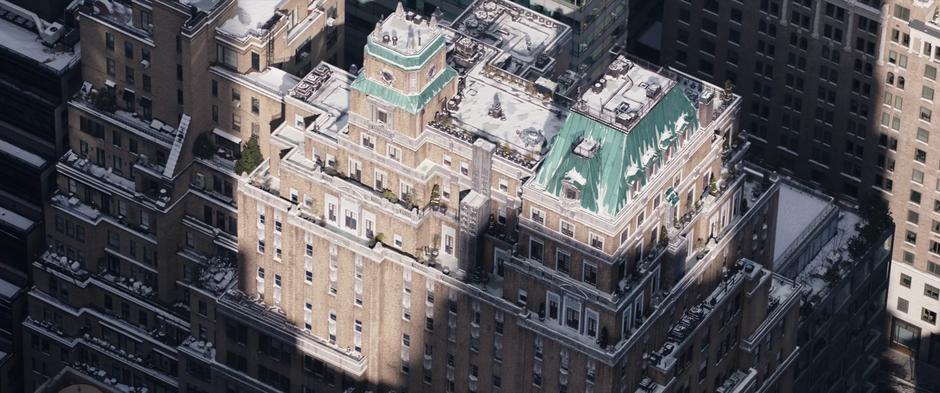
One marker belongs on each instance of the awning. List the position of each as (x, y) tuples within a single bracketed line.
[(231, 138)]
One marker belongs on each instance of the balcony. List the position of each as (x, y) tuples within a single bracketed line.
[(739, 382), (86, 171), (130, 285), (204, 349), (665, 358)]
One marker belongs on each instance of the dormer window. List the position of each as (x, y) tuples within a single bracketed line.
[(571, 192), (587, 147), (387, 77)]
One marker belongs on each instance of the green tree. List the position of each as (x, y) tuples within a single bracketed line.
[(250, 157)]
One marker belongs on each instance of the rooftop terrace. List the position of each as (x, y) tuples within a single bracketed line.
[(325, 88), (520, 32)]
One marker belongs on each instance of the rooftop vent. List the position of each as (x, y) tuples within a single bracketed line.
[(619, 66), (653, 90), (587, 147), (599, 85)]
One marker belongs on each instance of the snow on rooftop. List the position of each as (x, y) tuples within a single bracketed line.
[(407, 32), (626, 90), (780, 290), (274, 79), (250, 16), (8, 289), (814, 276), (796, 209), (525, 122), (520, 31), (20, 154), (15, 220), (28, 44), (326, 88)]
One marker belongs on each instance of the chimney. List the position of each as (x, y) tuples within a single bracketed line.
[(706, 108)]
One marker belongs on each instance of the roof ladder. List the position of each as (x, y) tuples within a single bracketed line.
[(177, 146)]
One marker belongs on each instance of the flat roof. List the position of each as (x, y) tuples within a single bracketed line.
[(521, 120), (21, 154), (15, 220), (19, 35), (8, 290), (522, 33), (326, 88), (796, 210), (626, 91), (250, 16)]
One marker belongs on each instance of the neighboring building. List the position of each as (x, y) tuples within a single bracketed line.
[(911, 180), (12, 311), (596, 26), (144, 213), (840, 56), (39, 67), (806, 72), (843, 277)]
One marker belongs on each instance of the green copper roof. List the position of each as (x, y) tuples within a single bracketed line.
[(604, 179), (410, 103), (405, 62)]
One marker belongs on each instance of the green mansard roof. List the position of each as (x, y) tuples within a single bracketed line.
[(604, 179), (405, 62), (410, 103)]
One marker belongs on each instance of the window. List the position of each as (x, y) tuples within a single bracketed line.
[(536, 250), (573, 314), (905, 280), (915, 197), (589, 275), (394, 153), (255, 105), (226, 56), (931, 292), (537, 215), (111, 67), (562, 262), (523, 298), (902, 305), (928, 316), (902, 13), (567, 228), (596, 241), (913, 217), (381, 116)]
